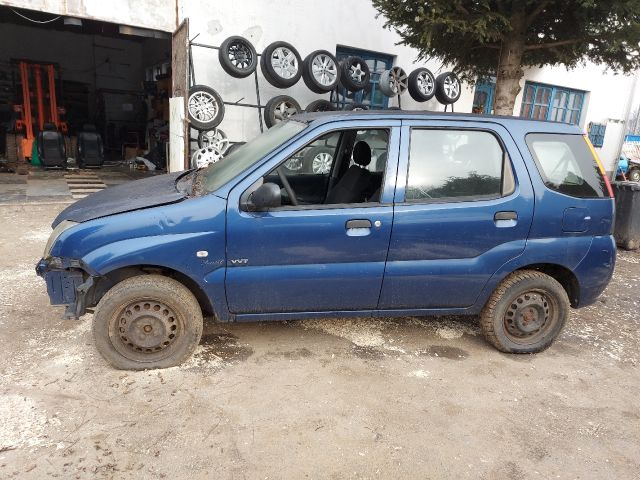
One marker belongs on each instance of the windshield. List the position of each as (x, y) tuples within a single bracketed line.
[(217, 174)]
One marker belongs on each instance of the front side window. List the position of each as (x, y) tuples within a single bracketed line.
[(456, 165)]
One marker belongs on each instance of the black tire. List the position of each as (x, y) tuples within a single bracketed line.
[(318, 160), (205, 107), (233, 146), (147, 301), (238, 57), (290, 69), (448, 88), (355, 107), (354, 74), (11, 146), (326, 68), (524, 300), (422, 85), (393, 82), (634, 175), (320, 106), (280, 108)]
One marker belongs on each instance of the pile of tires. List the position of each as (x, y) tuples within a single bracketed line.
[(282, 66)]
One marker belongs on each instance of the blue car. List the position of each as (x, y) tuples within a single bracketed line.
[(344, 214)]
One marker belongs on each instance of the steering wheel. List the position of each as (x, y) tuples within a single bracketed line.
[(287, 187)]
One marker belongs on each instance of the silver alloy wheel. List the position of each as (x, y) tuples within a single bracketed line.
[(356, 72), (203, 106), (284, 63), (240, 55), (215, 138), (283, 111), (205, 156), (294, 164), (321, 163), (451, 86), (324, 69), (425, 82)]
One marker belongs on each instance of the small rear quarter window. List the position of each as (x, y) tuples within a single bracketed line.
[(566, 164)]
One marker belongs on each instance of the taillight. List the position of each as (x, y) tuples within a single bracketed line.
[(600, 167)]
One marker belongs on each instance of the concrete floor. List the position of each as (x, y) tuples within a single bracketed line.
[(334, 399)]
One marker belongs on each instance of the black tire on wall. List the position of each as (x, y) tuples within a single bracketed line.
[(238, 57), (205, 107), (422, 85), (320, 106), (354, 74), (448, 88), (281, 64), (279, 109), (356, 107), (320, 71)]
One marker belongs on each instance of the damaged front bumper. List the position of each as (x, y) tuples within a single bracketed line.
[(69, 283)]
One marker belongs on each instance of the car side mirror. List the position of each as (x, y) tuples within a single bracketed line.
[(266, 196)]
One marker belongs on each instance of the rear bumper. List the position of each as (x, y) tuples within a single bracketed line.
[(67, 284), (596, 269)]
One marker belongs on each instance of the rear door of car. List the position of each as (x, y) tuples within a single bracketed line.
[(463, 207)]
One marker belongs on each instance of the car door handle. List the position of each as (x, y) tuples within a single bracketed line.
[(358, 224), (505, 216)]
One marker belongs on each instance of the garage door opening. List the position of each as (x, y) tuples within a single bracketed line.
[(70, 87)]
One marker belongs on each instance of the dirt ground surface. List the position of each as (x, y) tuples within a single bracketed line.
[(366, 398)]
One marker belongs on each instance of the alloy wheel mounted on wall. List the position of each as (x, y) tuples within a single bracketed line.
[(356, 107), (238, 57), (320, 106), (354, 74), (393, 82), (280, 108), (422, 85), (448, 88), (281, 65), (205, 156), (320, 71), (213, 138), (204, 107), (319, 159)]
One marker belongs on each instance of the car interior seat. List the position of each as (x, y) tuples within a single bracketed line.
[(353, 185), (51, 148), (90, 150)]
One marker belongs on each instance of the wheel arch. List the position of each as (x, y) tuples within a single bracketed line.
[(562, 275)]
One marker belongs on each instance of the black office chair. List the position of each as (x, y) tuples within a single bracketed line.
[(90, 151), (51, 148)]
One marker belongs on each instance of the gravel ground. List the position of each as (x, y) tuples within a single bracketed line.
[(342, 398)]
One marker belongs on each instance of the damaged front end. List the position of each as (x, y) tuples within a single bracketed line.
[(69, 282)]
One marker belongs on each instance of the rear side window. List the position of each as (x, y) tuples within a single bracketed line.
[(456, 165), (567, 164)]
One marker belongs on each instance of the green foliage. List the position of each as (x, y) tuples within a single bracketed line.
[(471, 34)]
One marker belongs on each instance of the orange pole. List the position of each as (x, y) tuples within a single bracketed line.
[(53, 102), (36, 69), (26, 100)]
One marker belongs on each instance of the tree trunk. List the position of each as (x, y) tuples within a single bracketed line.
[(510, 64)]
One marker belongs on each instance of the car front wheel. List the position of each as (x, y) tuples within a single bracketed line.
[(525, 313), (146, 322)]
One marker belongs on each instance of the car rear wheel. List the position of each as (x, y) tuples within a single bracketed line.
[(146, 322), (525, 313)]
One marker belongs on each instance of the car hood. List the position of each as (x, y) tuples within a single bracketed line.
[(145, 193)]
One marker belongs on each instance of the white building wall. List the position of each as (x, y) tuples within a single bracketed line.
[(308, 26)]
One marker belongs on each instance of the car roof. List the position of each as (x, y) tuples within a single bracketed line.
[(524, 125)]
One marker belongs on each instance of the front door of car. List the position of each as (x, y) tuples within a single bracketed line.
[(316, 256), (463, 207)]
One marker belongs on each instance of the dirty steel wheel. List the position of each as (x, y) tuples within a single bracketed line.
[(320, 71), (422, 85), (393, 82), (525, 313), (281, 64), (205, 107), (280, 108), (238, 57), (448, 88), (147, 321)]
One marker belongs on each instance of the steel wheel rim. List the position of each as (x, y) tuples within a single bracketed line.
[(356, 72), (284, 62), (145, 330), (324, 70), (425, 83), (321, 163), (240, 55), (284, 110), (203, 106), (451, 86), (530, 316)]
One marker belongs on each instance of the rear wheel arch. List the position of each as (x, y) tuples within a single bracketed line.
[(113, 277), (562, 275)]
